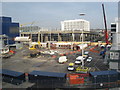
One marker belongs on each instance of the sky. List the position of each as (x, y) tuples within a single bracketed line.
[(50, 14)]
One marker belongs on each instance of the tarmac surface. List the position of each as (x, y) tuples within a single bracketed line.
[(21, 62)]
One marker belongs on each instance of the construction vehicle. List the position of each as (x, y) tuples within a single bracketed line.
[(34, 48), (34, 45)]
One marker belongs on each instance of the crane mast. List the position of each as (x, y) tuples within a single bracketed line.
[(106, 33)]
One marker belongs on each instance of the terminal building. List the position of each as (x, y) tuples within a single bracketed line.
[(77, 24), (9, 28)]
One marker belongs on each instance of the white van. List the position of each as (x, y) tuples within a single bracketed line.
[(62, 59)]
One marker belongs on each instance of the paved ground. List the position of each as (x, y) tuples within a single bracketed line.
[(20, 62)]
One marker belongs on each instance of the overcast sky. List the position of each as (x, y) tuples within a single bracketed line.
[(50, 14)]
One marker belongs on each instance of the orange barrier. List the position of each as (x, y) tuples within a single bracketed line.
[(80, 75), (61, 54), (66, 53), (74, 51), (26, 74), (54, 56), (74, 79), (71, 52), (92, 49), (12, 51), (79, 50)]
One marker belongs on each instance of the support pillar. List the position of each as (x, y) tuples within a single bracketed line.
[(46, 38), (38, 36), (31, 36), (73, 36), (59, 37), (41, 38)]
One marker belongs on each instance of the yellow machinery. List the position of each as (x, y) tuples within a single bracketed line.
[(34, 49), (30, 23), (82, 69), (34, 46)]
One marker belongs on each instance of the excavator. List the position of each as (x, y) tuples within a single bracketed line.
[(34, 47)]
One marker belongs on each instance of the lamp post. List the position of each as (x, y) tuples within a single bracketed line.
[(82, 14)]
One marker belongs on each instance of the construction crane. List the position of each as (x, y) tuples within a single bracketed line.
[(106, 33), (30, 23)]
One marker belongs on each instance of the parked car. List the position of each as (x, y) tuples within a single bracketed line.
[(86, 53), (71, 67), (89, 59), (85, 57), (78, 62)]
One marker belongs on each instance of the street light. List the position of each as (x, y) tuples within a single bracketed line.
[(82, 14)]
